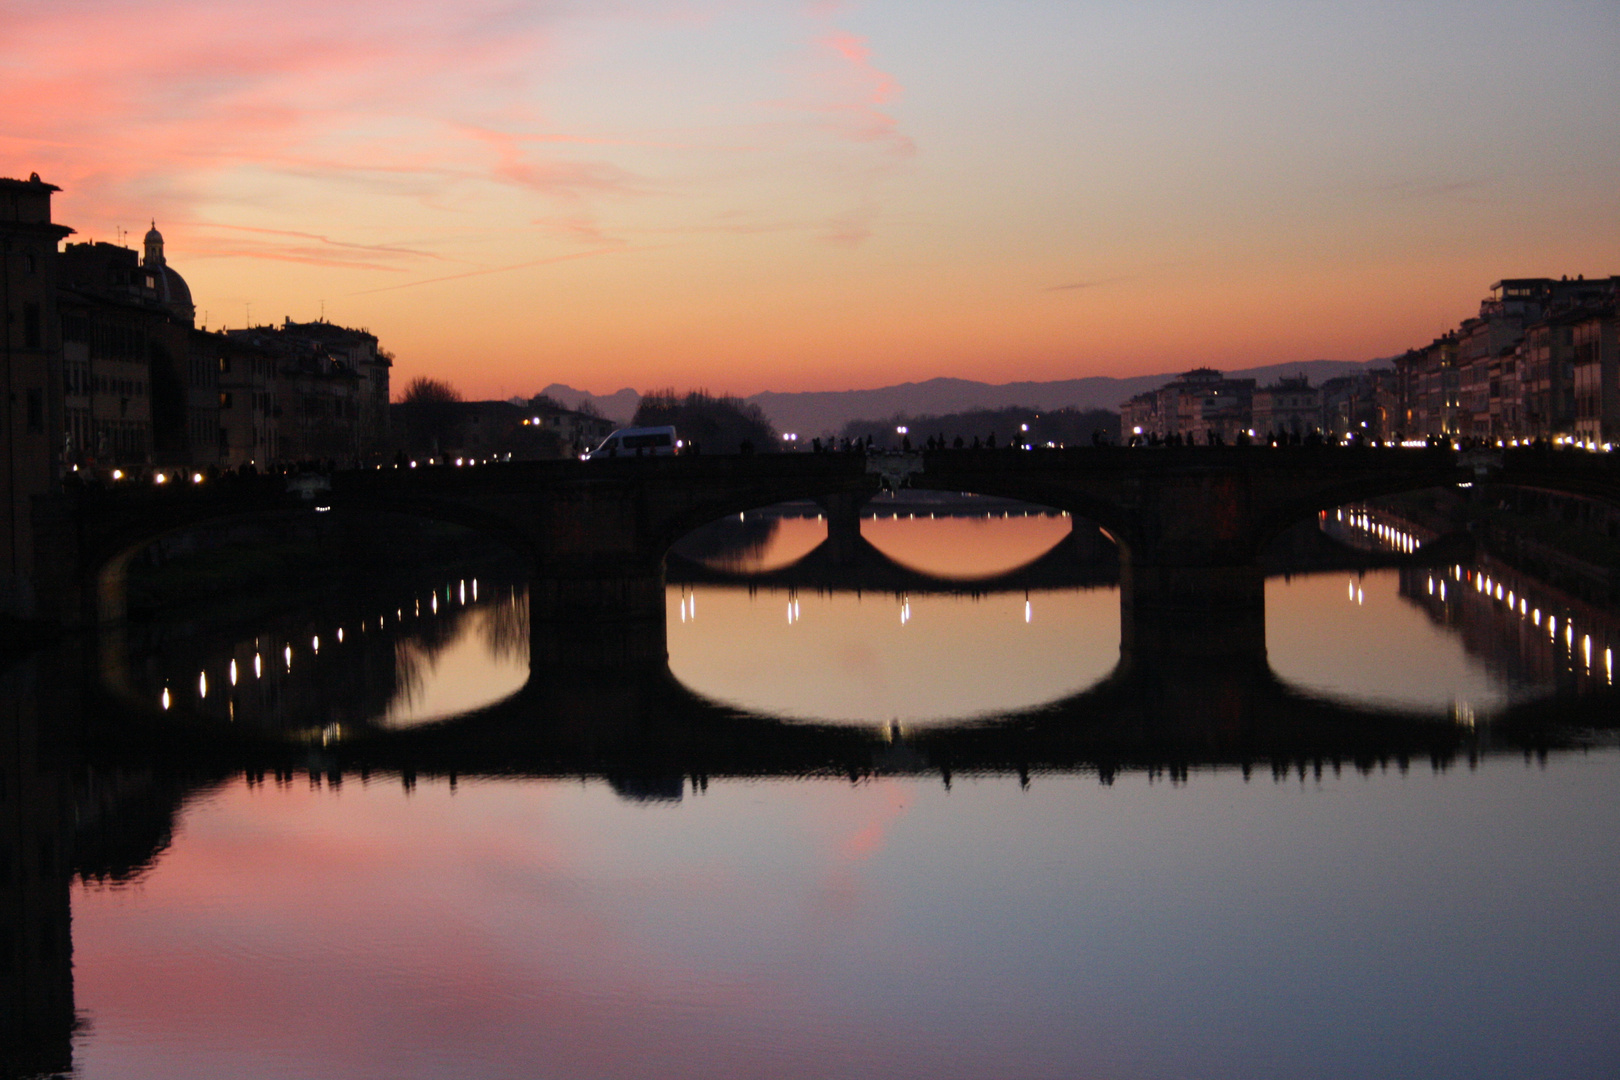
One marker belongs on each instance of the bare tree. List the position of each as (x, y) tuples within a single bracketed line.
[(429, 410), (425, 391), (723, 424)]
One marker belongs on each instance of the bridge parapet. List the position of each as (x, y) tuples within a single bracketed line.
[(1191, 523), (596, 532)]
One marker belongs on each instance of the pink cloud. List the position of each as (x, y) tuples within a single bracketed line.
[(852, 226), (576, 227), (138, 109), (198, 113), (853, 49), (495, 270), (855, 89), (562, 179), (845, 98)]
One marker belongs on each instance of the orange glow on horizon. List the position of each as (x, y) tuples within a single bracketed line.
[(514, 197)]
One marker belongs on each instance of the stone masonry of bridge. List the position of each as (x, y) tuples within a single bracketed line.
[(1190, 522)]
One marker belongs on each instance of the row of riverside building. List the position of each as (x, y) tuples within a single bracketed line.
[(108, 376), (1541, 361)]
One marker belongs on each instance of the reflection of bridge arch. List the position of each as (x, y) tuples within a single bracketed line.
[(1067, 564), (635, 724), (640, 731), (1075, 562)]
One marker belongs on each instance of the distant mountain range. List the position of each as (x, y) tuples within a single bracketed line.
[(821, 412)]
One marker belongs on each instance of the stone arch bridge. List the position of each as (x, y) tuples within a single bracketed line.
[(1190, 522)]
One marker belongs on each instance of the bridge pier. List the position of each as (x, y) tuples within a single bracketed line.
[(843, 512), (1192, 616), (596, 611)]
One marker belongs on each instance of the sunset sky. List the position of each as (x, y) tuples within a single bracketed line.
[(813, 195)]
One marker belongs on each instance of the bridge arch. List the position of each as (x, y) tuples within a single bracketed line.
[(96, 536), (597, 533), (1597, 482), (688, 518)]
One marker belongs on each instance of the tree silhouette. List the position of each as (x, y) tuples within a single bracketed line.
[(429, 411), (720, 425)]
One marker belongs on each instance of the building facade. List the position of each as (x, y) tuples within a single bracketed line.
[(329, 401), (1199, 405), (31, 412), (136, 399), (1290, 406), (246, 387), (1511, 372), (106, 383), (1596, 375)]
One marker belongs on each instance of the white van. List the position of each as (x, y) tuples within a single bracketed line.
[(636, 442)]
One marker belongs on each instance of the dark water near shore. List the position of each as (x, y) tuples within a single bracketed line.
[(1387, 914)]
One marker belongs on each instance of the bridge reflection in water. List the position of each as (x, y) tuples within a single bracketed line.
[(94, 777), (602, 700)]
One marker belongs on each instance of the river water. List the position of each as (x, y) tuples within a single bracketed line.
[(1227, 910)]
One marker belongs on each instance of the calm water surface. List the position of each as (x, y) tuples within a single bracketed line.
[(1395, 920)]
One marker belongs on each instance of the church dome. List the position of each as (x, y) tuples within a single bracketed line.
[(175, 293), (172, 290)]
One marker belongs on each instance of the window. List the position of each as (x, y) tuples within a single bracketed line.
[(31, 328), (224, 399), (36, 409)]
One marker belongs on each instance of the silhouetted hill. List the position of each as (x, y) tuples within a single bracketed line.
[(825, 412), (618, 407), (815, 413)]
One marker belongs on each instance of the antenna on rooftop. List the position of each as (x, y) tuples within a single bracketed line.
[(249, 305)]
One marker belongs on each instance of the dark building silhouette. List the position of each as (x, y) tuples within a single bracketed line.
[(121, 314), (330, 396), (36, 946), (31, 372)]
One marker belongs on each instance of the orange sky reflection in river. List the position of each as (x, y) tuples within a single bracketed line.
[(965, 547), (1355, 637), (480, 664), (876, 658), (550, 928), (791, 540)]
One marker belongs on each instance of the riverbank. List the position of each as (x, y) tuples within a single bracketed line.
[(1558, 540)]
